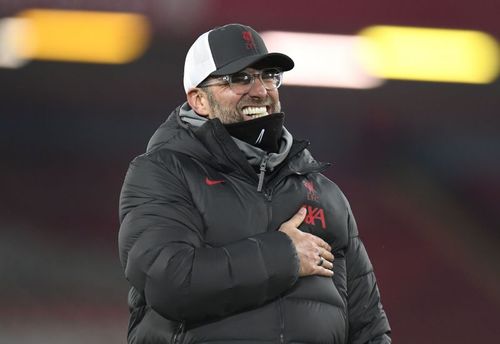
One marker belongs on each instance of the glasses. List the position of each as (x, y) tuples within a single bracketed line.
[(241, 82)]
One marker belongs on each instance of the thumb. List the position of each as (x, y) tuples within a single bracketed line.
[(299, 216)]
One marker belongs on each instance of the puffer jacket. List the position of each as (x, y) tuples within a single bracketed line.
[(206, 263)]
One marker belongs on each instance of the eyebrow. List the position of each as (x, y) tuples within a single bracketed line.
[(248, 70)]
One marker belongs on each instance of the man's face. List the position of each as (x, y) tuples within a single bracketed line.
[(230, 107)]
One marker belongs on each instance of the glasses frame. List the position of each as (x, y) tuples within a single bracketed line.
[(227, 80)]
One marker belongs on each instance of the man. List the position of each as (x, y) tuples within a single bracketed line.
[(229, 231)]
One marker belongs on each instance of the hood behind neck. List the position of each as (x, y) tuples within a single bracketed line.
[(189, 116)]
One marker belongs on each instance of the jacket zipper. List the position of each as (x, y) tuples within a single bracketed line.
[(268, 195), (346, 329), (262, 173), (282, 322), (178, 333)]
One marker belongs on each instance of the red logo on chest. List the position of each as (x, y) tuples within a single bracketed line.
[(211, 182), (314, 214), (248, 38), (312, 195)]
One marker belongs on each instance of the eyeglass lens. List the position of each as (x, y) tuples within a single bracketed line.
[(242, 82)]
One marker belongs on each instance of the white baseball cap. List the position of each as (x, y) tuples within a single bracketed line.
[(226, 50)]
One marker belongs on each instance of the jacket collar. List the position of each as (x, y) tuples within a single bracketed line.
[(212, 144)]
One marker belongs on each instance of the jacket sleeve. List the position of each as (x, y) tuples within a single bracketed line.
[(368, 322), (165, 258)]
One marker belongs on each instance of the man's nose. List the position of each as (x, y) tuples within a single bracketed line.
[(257, 89)]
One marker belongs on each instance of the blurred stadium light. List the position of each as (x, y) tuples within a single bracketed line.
[(426, 54), (11, 31), (322, 60), (76, 36)]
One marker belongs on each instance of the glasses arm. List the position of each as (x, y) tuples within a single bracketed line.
[(223, 80)]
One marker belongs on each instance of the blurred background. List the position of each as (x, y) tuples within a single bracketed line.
[(411, 124)]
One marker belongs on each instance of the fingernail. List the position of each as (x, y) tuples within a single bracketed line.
[(302, 211)]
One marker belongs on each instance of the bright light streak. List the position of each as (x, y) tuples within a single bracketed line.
[(321, 60), (427, 54), (11, 29), (83, 36)]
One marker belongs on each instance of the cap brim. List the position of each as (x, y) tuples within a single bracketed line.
[(262, 61)]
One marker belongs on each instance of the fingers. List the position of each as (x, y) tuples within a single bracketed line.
[(321, 243), (322, 271), (324, 268), (327, 265), (327, 255), (311, 263), (297, 219), (325, 260)]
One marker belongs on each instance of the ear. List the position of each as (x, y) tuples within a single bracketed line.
[(198, 101)]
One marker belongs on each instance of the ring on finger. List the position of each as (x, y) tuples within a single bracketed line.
[(321, 261)]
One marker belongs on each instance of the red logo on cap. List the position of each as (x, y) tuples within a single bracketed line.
[(247, 36)]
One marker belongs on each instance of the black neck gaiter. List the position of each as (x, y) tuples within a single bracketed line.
[(264, 132)]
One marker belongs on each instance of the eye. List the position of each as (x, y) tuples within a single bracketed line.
[(241, 78), (268, 74)]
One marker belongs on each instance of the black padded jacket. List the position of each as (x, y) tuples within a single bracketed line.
[(206, 264)]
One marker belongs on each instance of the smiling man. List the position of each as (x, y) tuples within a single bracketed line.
[(230, 233)]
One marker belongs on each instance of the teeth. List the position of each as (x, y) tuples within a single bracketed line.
[(259, 115), (255, 111)]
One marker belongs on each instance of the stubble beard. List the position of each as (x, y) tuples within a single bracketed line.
[(229, 115)]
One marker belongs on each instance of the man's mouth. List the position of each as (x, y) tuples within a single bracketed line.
[(255, 111)]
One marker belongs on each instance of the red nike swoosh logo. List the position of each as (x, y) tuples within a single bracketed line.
[(213, 182)]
